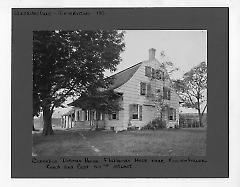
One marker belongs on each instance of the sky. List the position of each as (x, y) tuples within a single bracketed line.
[(185, 49)]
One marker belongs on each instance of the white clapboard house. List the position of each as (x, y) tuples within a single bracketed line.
[(145, 88)]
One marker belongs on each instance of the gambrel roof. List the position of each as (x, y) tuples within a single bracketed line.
[(123, 76)]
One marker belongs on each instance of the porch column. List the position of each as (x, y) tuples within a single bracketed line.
[(72, 119), (69, 121), (76, 117), (65, 122), (62, 120)]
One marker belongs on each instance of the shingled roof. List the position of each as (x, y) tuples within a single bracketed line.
[(122, 77)]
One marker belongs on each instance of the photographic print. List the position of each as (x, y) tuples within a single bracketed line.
[(120, 93)]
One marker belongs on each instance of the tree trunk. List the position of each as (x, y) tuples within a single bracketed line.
[(200, 117), (33, 128), (47, 121)]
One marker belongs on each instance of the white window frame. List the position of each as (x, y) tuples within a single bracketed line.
[(114, 114), (138, 113), (174, 114), (117, 116), (145, 93)]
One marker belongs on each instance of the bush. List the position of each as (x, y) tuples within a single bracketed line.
[(132, 128), (155, 124)]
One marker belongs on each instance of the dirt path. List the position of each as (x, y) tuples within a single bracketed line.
[(88, 145)]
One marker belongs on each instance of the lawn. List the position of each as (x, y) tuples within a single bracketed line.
[(176, 142)]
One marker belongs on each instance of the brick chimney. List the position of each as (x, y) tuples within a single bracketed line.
[(152, 54)]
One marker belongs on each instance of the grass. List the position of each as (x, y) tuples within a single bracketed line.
[(175, 142)]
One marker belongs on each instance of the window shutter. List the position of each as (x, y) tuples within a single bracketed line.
[(149, 89), (147, 71), (168, 110), (140, 112), (174, 114), (169, 94), (109, 116), (141, 88), (164, 93), (117, 115), (158, 74), (130, 111)]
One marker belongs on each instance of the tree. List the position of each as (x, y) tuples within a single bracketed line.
[(104, 102), (36, 107), (192, 89), (67, 63)]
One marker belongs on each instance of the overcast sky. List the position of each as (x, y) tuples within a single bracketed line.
[(184, 48)]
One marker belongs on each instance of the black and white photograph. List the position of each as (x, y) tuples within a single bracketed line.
[(119, 92)]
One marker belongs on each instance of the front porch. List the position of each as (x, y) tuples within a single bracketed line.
[(82, 119)]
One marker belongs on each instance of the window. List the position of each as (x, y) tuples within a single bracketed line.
[(172, 114), (148, 72), (153, 73), (159, 75), (142, 88), (149, 91), (113, 116), (145, 89), (135, 111), (166, 93)]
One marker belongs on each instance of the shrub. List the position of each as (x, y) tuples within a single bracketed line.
[(155, 124), (132, 128)]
